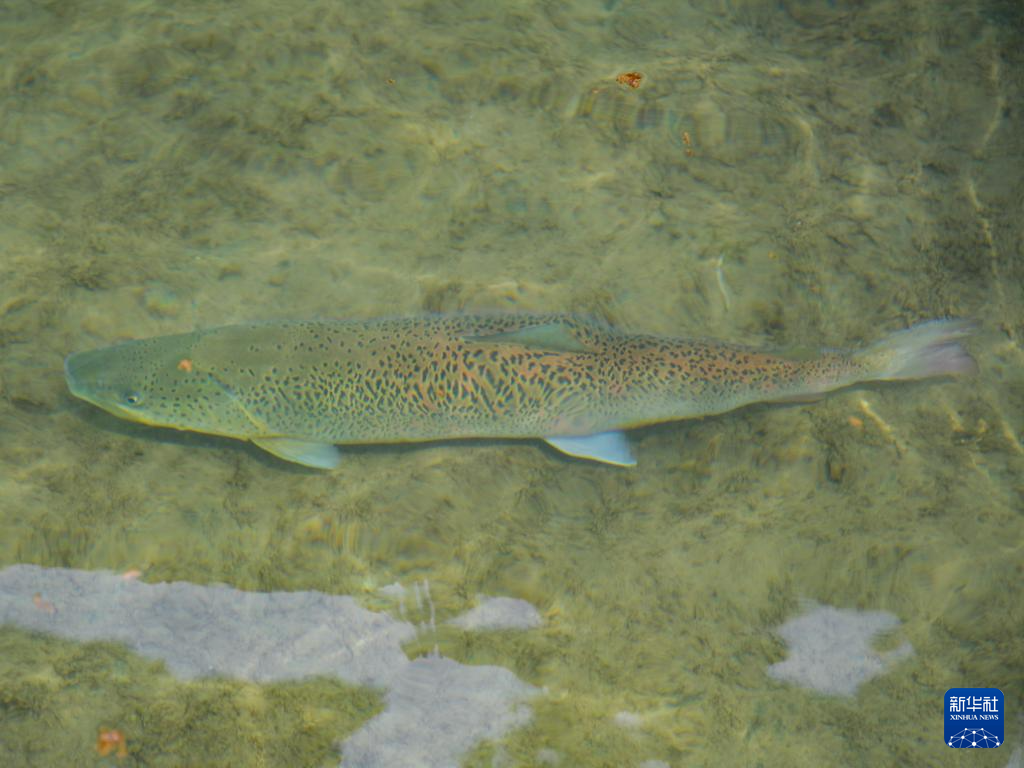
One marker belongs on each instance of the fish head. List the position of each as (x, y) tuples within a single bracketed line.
[(157, 382)]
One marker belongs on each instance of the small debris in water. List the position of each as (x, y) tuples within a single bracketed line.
[(112, 741), (43, 605), (632, 79)]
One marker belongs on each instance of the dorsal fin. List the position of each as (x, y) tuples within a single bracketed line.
[(554, 337)]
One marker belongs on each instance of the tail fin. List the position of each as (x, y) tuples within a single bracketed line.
[(924, 350)]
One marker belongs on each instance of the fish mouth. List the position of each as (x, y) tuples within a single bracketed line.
[(81, 375), (87, 376), (72, 366)]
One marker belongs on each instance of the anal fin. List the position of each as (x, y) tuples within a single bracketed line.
[(308, 453), (606, 447)]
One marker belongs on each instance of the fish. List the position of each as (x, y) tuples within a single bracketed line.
[(298, 389)]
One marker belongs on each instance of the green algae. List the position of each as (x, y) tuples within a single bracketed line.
[(56, 696)]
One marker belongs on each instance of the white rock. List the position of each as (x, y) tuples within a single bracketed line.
[(830, 649), (499, 613), (437, 709), (628, 719)]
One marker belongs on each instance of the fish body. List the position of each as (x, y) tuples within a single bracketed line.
[(298, 388)]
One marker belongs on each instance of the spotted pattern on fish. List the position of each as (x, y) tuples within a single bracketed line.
[(421, 378), (443, 376)]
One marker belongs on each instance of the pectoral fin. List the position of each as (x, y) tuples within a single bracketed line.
[(555, 337), (305, 452), (609, 447)]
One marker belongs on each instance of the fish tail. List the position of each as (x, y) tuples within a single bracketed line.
[(922, 351)]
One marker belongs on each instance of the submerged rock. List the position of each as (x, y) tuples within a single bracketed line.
[(437, 709), (830, 649), (499, 613)]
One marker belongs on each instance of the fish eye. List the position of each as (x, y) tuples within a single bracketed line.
[(131, 398)]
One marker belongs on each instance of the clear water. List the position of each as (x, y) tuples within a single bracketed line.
[(791, 174)]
